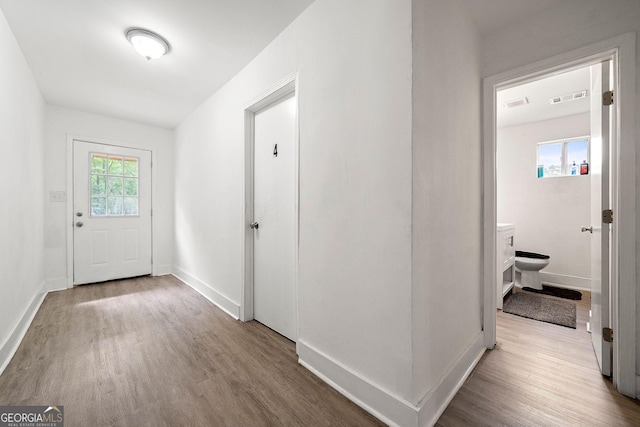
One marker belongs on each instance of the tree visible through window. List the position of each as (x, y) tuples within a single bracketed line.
[(114, 185), (562, 158)]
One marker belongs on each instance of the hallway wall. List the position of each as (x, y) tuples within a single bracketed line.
[(21, 209), (446, 229)]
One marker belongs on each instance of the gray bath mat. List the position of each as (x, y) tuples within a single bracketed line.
[(535, 307)]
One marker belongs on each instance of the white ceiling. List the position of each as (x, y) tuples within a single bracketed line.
[(538, 93), (81, 59), (494, 15)]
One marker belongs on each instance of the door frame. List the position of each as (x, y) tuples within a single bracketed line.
[(623, 253), (70, 209), (281, 89)]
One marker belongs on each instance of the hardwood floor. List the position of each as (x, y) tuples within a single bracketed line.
[(540, 374), (151, 351)]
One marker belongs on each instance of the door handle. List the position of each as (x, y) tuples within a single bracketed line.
[(254, 225), (589, 229), (79, 224)]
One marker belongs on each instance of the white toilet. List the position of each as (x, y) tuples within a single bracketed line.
[(530, 264)]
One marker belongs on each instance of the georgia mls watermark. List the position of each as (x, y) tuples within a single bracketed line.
[(31, 416)]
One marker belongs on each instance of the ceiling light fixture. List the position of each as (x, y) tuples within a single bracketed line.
[(147, 43)]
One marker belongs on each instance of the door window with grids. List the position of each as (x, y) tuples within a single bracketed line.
[(114, 185)]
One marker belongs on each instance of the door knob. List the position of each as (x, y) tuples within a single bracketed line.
[(589, 229), (254, 225), (79, 224)]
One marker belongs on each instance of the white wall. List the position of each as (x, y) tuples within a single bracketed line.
[(549, 212), (61, 122), (447, 227), (354, 64), (21, 209), (573, 24)]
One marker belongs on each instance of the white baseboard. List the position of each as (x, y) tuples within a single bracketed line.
[(163, 270), (389, 408), (436, 401), (565, 281), (222, 302), (10, 346), (52, 285)]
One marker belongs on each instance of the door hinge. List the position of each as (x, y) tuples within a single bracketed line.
[(607, 98), (607, 216), (607, 334)]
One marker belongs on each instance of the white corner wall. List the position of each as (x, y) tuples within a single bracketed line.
[(572, 25), (447, 297), (62, 122), (353, 61), (21, 209), (549, 212)]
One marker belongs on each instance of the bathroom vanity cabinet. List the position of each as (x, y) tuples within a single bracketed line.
[(505, 259)]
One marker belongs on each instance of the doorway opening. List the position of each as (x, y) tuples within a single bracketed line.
[(622, 317), (270, 292), (552, 184)]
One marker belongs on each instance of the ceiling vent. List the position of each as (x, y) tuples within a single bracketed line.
[(516, 102), (568, 97)]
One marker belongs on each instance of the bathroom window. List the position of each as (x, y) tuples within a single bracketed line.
[(563, 158)]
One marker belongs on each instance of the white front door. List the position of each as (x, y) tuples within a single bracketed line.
[(600, 200), (112, 212), (275, 214)]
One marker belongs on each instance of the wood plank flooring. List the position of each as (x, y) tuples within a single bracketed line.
[(540, 374), (152, 352)]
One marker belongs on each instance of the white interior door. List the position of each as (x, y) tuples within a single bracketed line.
[(600, 200), (275, 217), (112, 212)]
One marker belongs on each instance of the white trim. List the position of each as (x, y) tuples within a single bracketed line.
[(10, 346), (155, 270), (433, 405), (52, 285), (389, 408), (163, 270), (566, 281), (219, 300), (386, 406), (285, 87), (623, 285)]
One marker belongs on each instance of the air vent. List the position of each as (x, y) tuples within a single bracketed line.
[(516, 102), (568, 97)]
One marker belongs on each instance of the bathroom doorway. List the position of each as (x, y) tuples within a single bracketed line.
[(551, 177), (565, 184)]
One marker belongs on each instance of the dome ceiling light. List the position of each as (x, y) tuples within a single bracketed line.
[(147, 43)]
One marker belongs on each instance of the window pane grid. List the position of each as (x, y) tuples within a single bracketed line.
[(557, 158), (114, 184)]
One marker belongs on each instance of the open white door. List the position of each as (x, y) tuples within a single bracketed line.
[(112, 212), (601, 116)]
